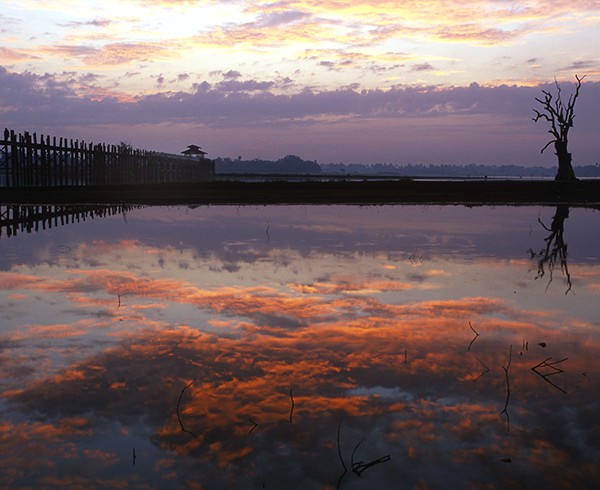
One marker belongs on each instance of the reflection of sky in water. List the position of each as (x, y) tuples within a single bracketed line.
[(394, 326)]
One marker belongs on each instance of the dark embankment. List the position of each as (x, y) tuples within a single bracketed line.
[(584, 193)]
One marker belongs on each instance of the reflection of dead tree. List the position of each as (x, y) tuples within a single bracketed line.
[(553, 370), (505, 410), (360, 466), (555, 250), (179, 403)]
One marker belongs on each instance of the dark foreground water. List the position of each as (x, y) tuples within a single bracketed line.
[(302, 347)]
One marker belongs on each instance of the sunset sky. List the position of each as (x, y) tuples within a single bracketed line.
[(334, 81)]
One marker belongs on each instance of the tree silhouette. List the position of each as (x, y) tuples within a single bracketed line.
[(554, 251), (560, 117)]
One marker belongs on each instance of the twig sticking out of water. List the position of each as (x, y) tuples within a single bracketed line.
[(474, 338), (340, 456), (179, 403), (293, 405), (486, 369), (506, 368), (359, 467), (553, 370)]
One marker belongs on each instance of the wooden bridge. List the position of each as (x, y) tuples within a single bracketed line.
[(28, 161)]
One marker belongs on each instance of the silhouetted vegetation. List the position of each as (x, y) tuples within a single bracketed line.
[(290, 164), (296, 165), (560, 117)]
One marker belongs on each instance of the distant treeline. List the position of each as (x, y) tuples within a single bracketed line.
[(471, 170), (292, 164)]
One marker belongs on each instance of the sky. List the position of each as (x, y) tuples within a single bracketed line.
[(421, 82)]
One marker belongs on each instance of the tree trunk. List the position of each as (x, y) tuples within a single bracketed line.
[(565, 169)]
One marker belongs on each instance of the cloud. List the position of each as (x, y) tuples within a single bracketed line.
[(423, 67), (236, 104), (16, 55), (90, 23), (232, 74)]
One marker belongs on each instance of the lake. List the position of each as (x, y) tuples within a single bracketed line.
[(309, 347)]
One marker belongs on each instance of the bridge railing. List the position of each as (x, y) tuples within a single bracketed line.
[(27, 160)]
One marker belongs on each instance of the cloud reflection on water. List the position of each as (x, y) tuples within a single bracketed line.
[(99, 344)]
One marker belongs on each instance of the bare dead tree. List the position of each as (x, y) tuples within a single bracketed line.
[(560, 117)]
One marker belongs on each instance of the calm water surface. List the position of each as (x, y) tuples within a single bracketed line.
[(302, 347)]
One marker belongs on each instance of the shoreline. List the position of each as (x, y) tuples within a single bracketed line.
[(468, 192)]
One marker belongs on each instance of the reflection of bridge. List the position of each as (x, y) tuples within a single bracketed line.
[(15, 218)]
